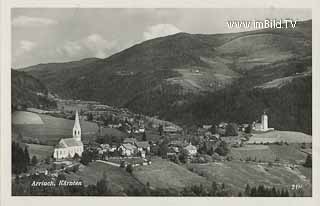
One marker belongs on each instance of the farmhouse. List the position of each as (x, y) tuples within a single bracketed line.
[(67, 148), (127, 149), (130, 140), (192, 150), (143, 146)]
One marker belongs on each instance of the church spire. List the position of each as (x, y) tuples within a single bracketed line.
[(76, 128)]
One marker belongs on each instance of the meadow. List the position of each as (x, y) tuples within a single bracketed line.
[(54, 128), (40, 151), (167, 175), (236, 175), (278, 136), (269, 153), (119, 179)]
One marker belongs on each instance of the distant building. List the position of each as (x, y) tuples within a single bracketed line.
[(130, 140), (263, 126), (143, 146), (127, 149), (68, 147), (192, 150)]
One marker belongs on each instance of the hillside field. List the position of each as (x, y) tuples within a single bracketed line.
[(278, 136), (54, 128), (40, 151), (269, 153), (167, 175), (119, 179), (237, 174)]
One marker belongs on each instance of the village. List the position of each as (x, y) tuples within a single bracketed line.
[(146, 140)]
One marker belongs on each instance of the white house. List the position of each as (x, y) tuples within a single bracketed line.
[(127, 149), (192, 150)]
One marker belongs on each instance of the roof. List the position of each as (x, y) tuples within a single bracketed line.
[(69, 142), (76, 121), (143, 144), (190, 147), (129, 146), (129, 140)]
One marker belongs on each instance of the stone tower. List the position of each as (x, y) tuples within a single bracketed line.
[(76, 128), (264, 122)]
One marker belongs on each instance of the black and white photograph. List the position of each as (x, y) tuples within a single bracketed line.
[(161, 102)]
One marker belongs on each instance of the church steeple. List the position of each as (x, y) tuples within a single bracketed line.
[(76, 128)]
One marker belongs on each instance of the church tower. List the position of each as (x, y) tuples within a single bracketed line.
[(264, 122), (76, 128)]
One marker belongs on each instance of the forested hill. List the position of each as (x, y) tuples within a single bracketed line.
[(167, 76), (26, 91)]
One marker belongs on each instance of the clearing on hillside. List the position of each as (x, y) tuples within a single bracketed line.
[(167, 175), (52, 129), (237, 174), (40, 151), (21, 117), (119, 179), (278, 136)]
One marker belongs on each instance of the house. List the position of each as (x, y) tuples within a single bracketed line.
[(143, 146), (130, 140), (192, 150), (127, 149), (206, 126), (171, 129)]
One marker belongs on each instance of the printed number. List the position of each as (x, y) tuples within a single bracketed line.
[(296, 187)]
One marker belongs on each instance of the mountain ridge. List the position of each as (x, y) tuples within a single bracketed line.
[(161, 75)]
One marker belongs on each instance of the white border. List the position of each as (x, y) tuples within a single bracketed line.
[(5, 155)]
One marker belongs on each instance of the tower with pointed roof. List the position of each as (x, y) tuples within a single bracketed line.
[(76, 128)]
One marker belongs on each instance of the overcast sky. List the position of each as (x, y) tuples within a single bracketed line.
[(60, 35)]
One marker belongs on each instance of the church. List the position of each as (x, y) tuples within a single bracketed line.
[(68, 147), (263, 126)]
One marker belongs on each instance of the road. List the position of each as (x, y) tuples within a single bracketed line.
[(109, 163)]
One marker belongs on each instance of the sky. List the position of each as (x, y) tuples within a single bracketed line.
[(44, 35)]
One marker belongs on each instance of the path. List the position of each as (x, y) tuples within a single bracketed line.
[(109, 163)]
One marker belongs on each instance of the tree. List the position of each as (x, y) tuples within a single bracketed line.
[(86, 157), (222, 149), (129, 168), (90, 117), (144, 137), (231, 129), (248, 129), (160, 130), (213, 129), (34, 161), (26, 155), (102, 186), (308, 162), (183, 157), (163, 148), (247, 190)]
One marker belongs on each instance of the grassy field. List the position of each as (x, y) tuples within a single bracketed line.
[(265, 153), (257, 152), (40, 151), (165, 174), (54, 129), (289, 152), (26, 118), (237, 174), (119, 179), (278, 136)]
